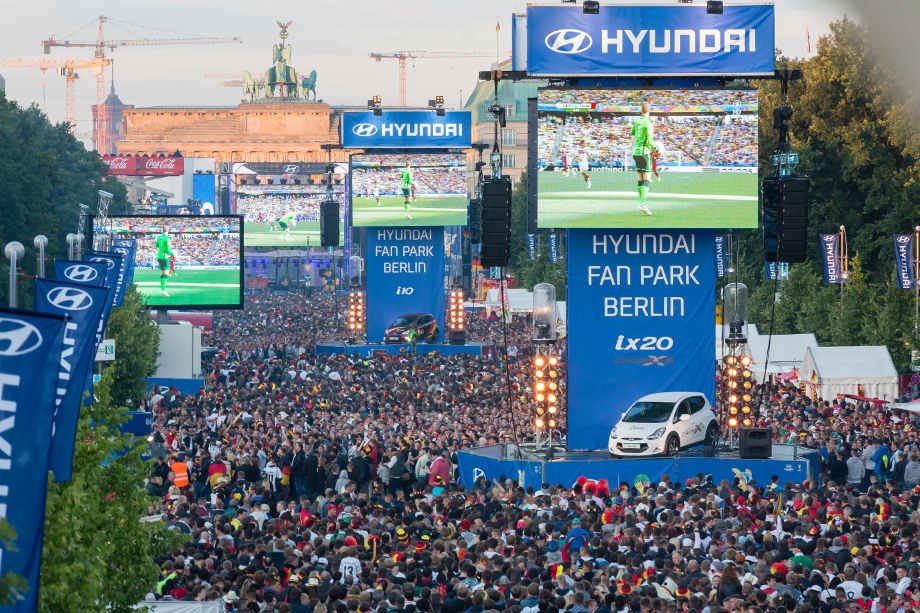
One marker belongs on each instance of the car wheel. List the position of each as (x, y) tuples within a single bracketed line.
[(711, 432), (672, 446)]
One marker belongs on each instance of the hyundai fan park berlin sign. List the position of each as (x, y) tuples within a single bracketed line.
[(406, 130), (659, 40)]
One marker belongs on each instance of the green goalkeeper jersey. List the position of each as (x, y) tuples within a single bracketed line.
[(406, 176), (286, 218), (163, 250), (643, 133)]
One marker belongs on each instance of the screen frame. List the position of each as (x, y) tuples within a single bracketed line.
[(351, 167), (533, 162), (190, 307)]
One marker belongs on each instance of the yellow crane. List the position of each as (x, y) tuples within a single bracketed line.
[(402, 58), (101, 44), (67, 68)]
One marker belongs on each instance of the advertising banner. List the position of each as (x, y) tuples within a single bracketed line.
[(30, 350), (903, 254), (406, 130), (83, 305), (131, 245), (125, 272), (666, 40), (130, 165), (553, 247), (776, 271), (405, 284), (830, 254), (531, 247), (88, 273), (720, 256), (639, 319), (115, 272)]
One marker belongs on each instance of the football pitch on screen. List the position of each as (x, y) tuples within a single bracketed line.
[(301, 235), (678, 200), (425, 211), (190, 287)]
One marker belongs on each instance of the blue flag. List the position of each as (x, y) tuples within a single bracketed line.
[(903, 256), (115, 277), (126, 247), (30, 349), (720, 256), (83, 304), (531, 247), (830, 254), (776, 271), (79, 273), (553, 247)]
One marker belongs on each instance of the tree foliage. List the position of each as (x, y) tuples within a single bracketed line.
[(97, 555), (540, 270), (137, 344)]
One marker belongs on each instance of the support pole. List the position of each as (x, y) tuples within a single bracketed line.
[(14, 252), (40, 241)]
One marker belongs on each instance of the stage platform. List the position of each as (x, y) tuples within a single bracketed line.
[(478, 349), (790, 464)]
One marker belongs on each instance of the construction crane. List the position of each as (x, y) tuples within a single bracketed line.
[(68, 69), (402, 57), (99, 46)]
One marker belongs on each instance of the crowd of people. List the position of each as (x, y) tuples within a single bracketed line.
[(661, 100), (427, 180), (264, 208), (191, 249), (311, 483)]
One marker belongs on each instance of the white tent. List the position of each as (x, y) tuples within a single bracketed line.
[(844, 370), (786, 352)]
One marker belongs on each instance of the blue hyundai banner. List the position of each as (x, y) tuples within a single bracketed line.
[(667, 40), (553, 247), (406, 130), (776, 271), (30, 349), (531, 247), (720, 256), (131, 255), (903, 256), (87, 273), (115, 273), (83, 305), (640, 307), (830, 254), (405, 283)]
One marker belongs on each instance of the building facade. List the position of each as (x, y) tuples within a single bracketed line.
[(109, 123)]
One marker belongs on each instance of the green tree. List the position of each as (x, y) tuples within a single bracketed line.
[(541, 270), (137, 344), (11, 584)]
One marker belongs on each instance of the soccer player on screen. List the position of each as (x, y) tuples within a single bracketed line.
[(643, 133), (286, 221), (583, 167), (164, 253), (377, 191), (406, 179), (172, 265)]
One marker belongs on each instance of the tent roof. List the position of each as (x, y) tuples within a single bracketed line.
[(783, 347), (862, 363)]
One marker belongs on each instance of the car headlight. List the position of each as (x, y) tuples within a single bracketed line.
[(613, 433), (656, 434)]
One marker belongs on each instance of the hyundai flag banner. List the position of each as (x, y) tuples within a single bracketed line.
[(667, 40), (131, 245), (903, 256), (405, 284), (87, 273), (531, 247), (774, 271), (83, 305), (30, 352), (720, 256), (115, 273), (639, 322), (553, 247), (406, 130), (830, 253)]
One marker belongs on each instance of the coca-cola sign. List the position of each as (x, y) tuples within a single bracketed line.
[(144, 166)]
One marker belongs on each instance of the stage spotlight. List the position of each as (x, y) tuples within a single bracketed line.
[(747, 422), (746, 397), (746, 360), (593, 7), (729, 359), (552, 423), (355, 313), (733, 410), (553, 361), (541, 386), (733, 422), (746, 374), (539, 361), (732, 372), (538, 423), (745, 409), (455, 317), (733, 399), (748, 385), (714, 7)]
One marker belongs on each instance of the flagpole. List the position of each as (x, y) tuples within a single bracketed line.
[(842, 257)]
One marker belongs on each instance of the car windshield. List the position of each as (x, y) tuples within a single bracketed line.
[(404, 321), (649, 412)]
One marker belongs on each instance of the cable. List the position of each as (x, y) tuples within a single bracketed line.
[(505, 365)]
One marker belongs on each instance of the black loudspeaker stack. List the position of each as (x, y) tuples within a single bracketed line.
[(756, 443), (329, 223), (496, 222)]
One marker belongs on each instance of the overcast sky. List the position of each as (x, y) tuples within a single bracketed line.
[(333, 37)]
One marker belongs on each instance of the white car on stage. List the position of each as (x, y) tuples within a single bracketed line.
[(662, 424)]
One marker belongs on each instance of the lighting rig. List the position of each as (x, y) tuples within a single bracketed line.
[(356, 314), (547, 366), (456, 330)]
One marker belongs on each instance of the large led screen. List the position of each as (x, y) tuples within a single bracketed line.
[(409, 189), (285, 215), (183, 260), (634, 158)]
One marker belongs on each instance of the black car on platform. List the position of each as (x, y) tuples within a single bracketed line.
[(412, 327)]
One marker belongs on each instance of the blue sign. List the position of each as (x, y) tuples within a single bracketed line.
[(720, 256), (87, 273), (776, 271), (903, 256), (553, 247), (83, 305), (675, 40), (129, 244), (531, 247), (30, 349), (406, 130), (405, 276), (830, 254), (115, 271), (639, 322)]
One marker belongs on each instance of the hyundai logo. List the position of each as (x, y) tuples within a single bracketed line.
[(568, 41), (70, 298), (109, 264), (364, 129), (291, 169), (905, 238), (80, 273), (18, 337)]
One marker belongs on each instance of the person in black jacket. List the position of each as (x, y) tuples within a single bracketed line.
[(311, 474), (298, 471)]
